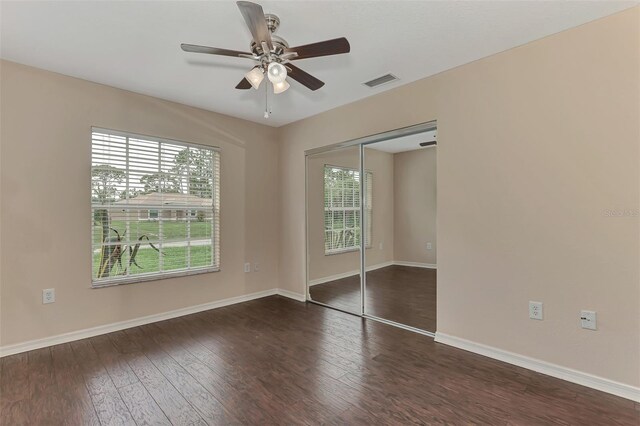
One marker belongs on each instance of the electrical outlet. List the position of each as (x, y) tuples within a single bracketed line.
[(381, 246), (256, 267), (588, 320), (247, 267), (48, 295), (429, 246), (535, 310)]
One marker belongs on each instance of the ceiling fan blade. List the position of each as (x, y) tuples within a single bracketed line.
[(194, 48), (254, 17), (304, 77), (244, 84), (321, 48)]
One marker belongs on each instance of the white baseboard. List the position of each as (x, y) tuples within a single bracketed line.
[(333, 277), (415, 264), (554, 370), (379, 265), (122, 325), (348, 274), (291, 295)]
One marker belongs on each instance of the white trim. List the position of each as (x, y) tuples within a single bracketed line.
[(333, 277), (121, 325), (585, 379), (415, 264), (377, 137), (348, 274), (124, 134), (291, 295), (152, 276), (334, 252)]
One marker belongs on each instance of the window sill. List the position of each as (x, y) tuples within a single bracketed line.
[(343, 251), (150, 277)]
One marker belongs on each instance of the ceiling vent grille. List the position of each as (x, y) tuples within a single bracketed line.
[(387, 78)]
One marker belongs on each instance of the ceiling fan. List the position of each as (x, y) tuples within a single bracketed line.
[(272, 54)]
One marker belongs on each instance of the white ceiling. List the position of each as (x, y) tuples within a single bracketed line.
[(135, 45), (404, 143)]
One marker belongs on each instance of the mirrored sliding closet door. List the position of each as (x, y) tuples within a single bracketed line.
[(371, 227), (334, 229), (400, 231)]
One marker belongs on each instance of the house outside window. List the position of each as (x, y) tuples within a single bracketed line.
[(155, 208), (342, 224)]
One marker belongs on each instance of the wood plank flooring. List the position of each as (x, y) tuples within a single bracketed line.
[(274, 361), (403, 294)]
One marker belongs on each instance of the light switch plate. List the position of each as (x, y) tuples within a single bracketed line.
[(588, 320)]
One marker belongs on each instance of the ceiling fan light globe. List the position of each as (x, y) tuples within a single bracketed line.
[(255, 77), (280, 87), (276, 72)]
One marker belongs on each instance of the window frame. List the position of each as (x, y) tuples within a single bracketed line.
[(215, 212), (368, 210)]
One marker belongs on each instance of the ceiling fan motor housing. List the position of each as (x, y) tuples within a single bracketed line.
[(273, 22), (279, 44)]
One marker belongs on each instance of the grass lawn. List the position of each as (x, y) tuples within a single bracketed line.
[(170, 230), (173, 258)]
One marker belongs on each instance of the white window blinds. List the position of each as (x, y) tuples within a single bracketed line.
[(155, 207), (342, 224)]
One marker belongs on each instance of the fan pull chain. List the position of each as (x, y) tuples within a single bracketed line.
[(267, 111)]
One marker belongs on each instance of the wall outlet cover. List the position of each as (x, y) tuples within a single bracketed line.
[(48, 295), (535, 310)]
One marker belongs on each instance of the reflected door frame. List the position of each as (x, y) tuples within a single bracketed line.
[(361, 143)]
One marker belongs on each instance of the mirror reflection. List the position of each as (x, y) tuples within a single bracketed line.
[(400, 283), (334, 228), (386, 208)]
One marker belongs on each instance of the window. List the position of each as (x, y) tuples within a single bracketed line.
[(155, 208), (342, 209)]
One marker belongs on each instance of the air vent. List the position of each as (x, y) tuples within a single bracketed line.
[(387, 78)]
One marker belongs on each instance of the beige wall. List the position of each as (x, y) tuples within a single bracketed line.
[(46, 218), (380, 164), (534, 144), (414, 215)]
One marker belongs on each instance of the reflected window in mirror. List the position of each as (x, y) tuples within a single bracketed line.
[(342, 222)]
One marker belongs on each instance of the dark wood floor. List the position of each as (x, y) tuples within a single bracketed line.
[(275, 361), (403, 294)]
